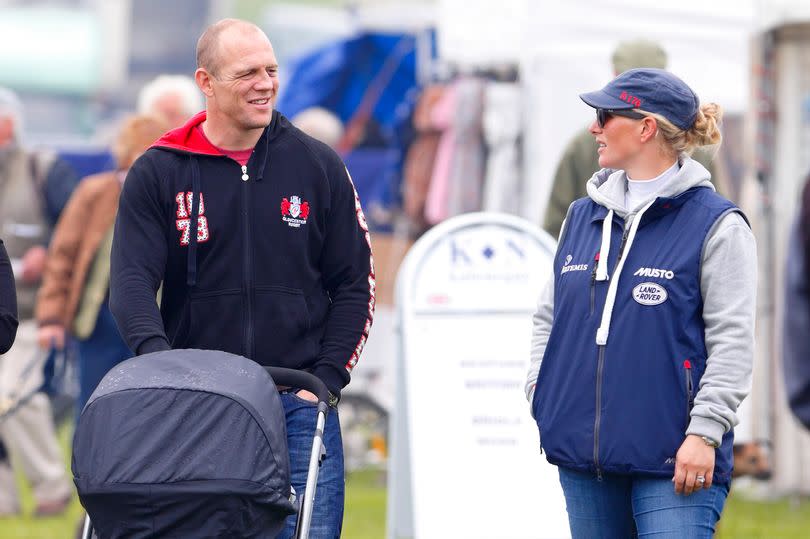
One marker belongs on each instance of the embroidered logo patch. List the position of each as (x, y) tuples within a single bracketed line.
[(567, 266), (294, 212), (183, 221), (650, 294), (654, 272)]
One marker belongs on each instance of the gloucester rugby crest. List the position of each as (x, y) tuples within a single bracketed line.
[(294, 211)]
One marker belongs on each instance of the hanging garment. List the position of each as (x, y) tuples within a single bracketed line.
[(421, 157), (502, 128), (467, 169)]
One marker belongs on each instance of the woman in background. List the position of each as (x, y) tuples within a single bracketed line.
[(75, 285)]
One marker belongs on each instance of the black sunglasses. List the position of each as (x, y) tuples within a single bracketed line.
[(603, 115)]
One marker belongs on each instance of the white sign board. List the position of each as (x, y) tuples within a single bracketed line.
[(466, 459)]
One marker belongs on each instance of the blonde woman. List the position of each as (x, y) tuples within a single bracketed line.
[(643, 340)]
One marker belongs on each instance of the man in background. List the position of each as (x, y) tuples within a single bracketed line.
[(34, 187), (174, 98), (580, 159)]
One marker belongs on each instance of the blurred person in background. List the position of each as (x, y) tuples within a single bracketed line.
[(257, 233), (75, 286), (34, 187), (321, 124), (175, 98), (796, 336), (580, 158), (651, 310)]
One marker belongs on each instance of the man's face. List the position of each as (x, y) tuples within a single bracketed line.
[(245, 81)]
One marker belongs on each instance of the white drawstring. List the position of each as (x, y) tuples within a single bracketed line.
[(604, 250), (604, 328)]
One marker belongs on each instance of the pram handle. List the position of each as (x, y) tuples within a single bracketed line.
[(301, 380)]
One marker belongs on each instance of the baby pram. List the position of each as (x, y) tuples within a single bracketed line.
[(191, 443)]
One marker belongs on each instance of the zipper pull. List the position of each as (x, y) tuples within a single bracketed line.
[(595, 264), (687, 365), (245, 176)]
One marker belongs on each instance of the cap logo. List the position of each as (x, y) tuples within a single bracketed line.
[(633, 100)]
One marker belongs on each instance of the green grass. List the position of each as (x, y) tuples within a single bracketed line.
[(365, 513), (779, 519), (364, 517), (28, 527)]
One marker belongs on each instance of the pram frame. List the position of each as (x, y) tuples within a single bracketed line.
[(313, 384)]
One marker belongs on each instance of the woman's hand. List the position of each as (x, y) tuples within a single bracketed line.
[(695, 459), (51, 336), (33, 264)]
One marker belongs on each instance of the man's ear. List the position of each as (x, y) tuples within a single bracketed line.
[(649, 127), (203, 80)]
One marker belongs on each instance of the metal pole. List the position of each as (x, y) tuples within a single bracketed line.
[(315, 458), (87, 530)]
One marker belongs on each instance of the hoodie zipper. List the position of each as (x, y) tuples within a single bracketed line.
[(248, 261)]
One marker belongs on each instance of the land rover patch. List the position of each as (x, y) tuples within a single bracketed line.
[(650, 294)]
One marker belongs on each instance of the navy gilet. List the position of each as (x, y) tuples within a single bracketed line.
[(624, 407)]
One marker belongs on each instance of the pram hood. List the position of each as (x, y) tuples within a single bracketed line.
[(184, 443)]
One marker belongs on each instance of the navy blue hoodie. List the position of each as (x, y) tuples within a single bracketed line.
[(281, 269)]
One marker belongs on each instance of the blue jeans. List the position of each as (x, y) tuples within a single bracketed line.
[(327, 512), (624, 506)]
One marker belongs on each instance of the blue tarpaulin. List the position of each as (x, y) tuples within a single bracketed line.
[(337, 76), (371, 73)]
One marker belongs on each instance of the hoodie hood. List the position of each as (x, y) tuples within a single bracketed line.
[(608, 186), (187, 138)]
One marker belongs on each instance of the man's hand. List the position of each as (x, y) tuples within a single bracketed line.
[(51, 335), (33, 264), (307, 395), (694, 459)]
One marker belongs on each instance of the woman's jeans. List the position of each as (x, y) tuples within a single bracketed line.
[(327, 511), (625, 506)]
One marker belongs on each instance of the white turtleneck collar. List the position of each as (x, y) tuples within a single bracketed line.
[(641, 191)]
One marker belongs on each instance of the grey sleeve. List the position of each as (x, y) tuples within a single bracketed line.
[(541, 324), (728, 284), (541, 328)]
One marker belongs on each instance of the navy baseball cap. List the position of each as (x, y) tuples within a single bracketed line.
[(651, 90)]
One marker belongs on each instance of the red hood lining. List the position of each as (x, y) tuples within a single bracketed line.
[(188, 138)]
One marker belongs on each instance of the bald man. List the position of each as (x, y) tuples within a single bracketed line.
[(257, 233)]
